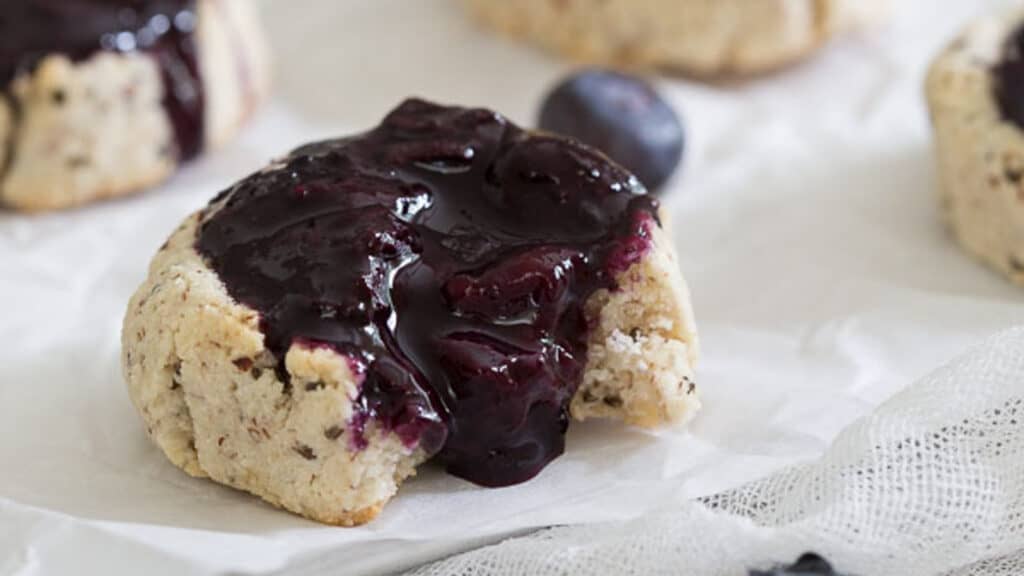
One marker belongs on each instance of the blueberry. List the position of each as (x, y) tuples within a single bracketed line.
[(621, 115), (807, 565)]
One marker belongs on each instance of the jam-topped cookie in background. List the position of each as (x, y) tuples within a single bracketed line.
[(445, 287), (975, 90), (107, 97), (702, 37)]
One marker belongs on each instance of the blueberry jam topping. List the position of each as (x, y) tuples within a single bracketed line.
[(1009, 79), (448, 254), (621, 115), (32, 29)]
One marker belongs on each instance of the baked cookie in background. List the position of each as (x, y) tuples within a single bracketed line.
[(702, 37), (446, 286), (975, 92), (105, 98)]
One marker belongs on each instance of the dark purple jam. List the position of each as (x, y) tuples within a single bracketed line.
[(1009, 79), (449, 254), (31, 29)]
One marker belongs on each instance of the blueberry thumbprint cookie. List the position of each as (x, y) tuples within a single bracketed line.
[(703, 37), (107, 97), (446, 287), (975, 91)]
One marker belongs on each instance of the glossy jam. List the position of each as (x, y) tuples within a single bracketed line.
[(1009, 79), (448, 253), (32, 29)]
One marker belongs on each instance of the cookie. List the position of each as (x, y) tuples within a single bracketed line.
[(446, 287), (703, 37), (975, 93), (104, 99)]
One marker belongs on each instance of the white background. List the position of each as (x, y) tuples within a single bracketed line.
[(805, 216)]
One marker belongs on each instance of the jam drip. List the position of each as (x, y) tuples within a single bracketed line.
[(449, 255), (32, 29)]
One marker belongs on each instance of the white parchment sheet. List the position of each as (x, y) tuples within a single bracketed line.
[(805, 215)]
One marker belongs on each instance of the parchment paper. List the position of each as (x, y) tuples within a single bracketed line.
[(805, 215)]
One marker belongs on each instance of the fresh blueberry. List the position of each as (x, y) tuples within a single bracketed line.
[(807, 565), (621, 115)]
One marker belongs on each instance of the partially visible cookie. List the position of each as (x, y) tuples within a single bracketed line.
[(704, 37), (446, 286), (975, 91), (107, 98)]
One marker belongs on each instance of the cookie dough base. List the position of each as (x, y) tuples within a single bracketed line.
[(702, 37), (86, 131), (643, 347), (208, 393)]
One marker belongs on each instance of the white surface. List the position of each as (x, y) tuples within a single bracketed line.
[(805, 216), (929, 483)]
